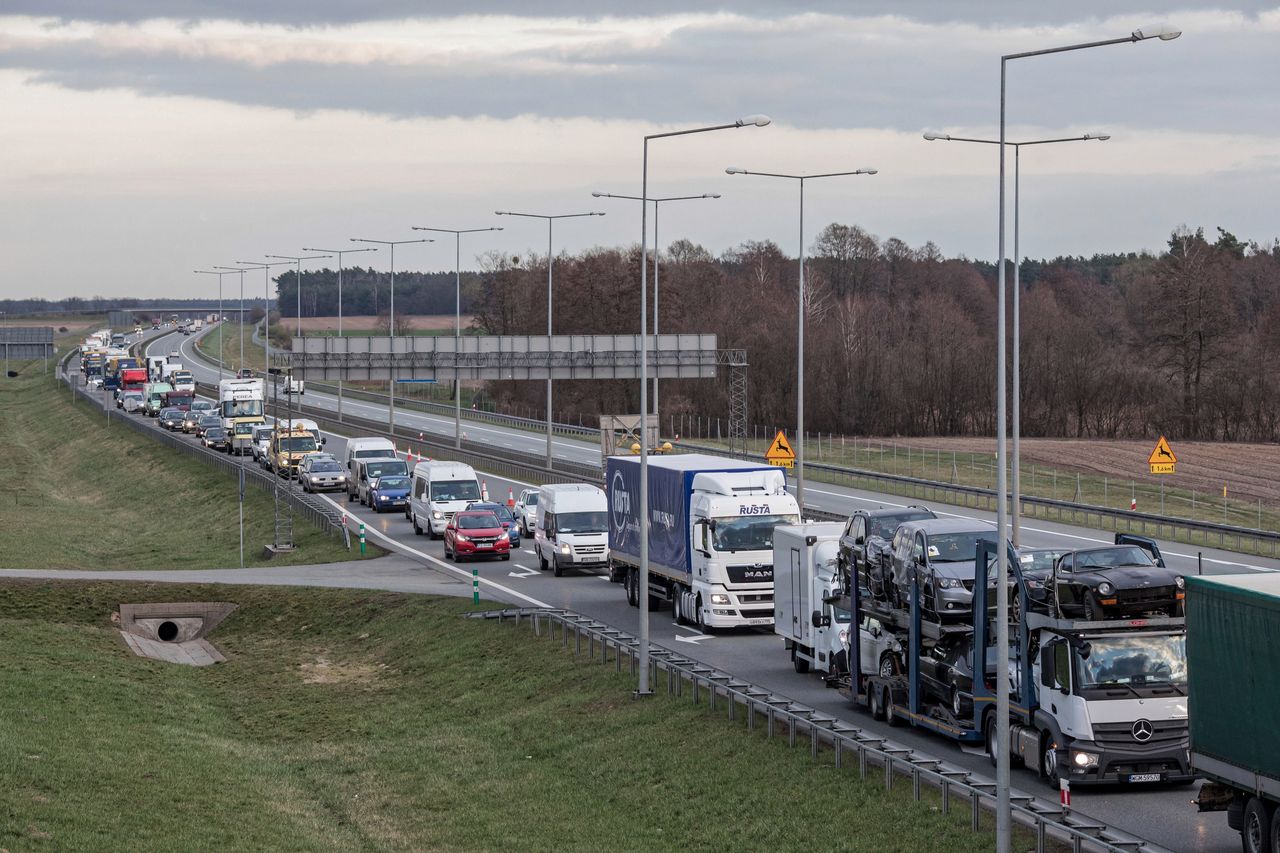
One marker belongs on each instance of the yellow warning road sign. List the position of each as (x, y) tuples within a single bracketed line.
[(1162, 460), (780, 452)]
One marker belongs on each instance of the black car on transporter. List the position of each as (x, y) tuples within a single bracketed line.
[(1125, 579)]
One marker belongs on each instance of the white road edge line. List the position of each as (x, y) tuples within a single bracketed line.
[(401, 547)]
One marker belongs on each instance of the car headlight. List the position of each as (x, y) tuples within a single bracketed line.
[(382, 497), (1084, 759), (1106, 588), (945, 583), (1179, 582), (462, 537), (719, 598), (565, 549), (342, 478), (437, 515)]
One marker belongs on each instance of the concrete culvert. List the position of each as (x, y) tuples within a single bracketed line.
[(173, 632), (168, 631)]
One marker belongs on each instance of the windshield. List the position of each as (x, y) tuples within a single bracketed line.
[(262, 434), (242, 408), (387, 483), (747, 532), (1039, 560), (244, 429), (455, 490), (1108, 558), (1135, 660), (179, 399), (885, 526), (954, 547), (200, 405), (215, 432), (325, 467), (478, 521), (531, 499), (375, 453), (299, 444), (382, 469), (582, 522)]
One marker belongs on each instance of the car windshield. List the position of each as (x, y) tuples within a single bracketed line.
[(325, 467), (1040, 560), (375, 453), (582, 522), (200, 405), (299, 444), (1109, 558), (747, 532), (262, 434), (397, 482), (478, 521), (215, 432), (954, 547), (884, 526), (210, 420), (455, 490), (531, 499), (180, 399), (1134, 660), (390, 467), (500, 510)]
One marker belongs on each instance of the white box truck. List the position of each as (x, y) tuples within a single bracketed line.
[(439, 490), (571, 530), (711, 523)]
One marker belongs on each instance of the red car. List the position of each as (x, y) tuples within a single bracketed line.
[(475, 534)]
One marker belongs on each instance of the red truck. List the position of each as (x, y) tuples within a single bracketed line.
[(133, 378), (178, 400)]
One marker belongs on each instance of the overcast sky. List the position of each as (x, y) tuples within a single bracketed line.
[(143, 140)]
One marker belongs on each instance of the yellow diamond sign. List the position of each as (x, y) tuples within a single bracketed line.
[(780, 452), (1162, 460)]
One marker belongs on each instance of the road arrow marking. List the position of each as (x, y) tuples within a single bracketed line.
[(695, 639), (523, 573)]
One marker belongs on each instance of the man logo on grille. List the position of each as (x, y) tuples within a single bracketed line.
[(1142, 731)]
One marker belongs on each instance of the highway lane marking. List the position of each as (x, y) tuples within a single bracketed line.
[(395, 545), (524, 572)]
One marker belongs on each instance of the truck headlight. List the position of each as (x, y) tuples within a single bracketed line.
[(437, 515), (719, 598), (566, 549), (1106, 588), (1179, 582), (844, 636), (1084, 759)]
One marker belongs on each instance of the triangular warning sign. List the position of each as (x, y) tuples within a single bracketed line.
[(780, 449), (1163, 454)]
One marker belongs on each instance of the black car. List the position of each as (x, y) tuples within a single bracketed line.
[(206, 423), (171, 419), (865, 545), (1037, 568), (1125, 579), (946, 673), (216, 437)]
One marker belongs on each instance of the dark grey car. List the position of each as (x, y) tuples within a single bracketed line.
[(865, 545), (938, 553)]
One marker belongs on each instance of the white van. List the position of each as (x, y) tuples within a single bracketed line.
[(439, 490), (367, 448), (572, 527)]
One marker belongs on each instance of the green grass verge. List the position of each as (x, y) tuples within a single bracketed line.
[(357, 720), (81, 492)]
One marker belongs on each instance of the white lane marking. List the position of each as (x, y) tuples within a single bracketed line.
[(1042, 530), (694, 639), (394, 545), (524, 573), (604, 578)]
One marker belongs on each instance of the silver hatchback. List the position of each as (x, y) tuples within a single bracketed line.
[(321, 473)]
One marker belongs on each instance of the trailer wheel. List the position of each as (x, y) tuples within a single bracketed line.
[(874, 704), (631, 583), (1275, 831), (1256, 827), (801, 665), (890, 715), (677, 606), (993, 745)]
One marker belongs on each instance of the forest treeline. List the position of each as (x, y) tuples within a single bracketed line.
[(902, 341)]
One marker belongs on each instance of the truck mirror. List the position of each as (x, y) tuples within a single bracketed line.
[(820, 621), (1046, 665)]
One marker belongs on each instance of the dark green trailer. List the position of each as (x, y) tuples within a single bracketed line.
[(1233, 660)]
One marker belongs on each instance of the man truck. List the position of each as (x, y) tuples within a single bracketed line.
[(711, 523), (1233, 657)]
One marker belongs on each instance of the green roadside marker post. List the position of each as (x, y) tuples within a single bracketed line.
[(362, 538), (475, 586)]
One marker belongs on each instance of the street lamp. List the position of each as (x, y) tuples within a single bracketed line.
[(266, 308), (642, 591), (298, 259), (340, 253), (550, 222), (391, 382), (1003, 810), (799, 442), (219, 275), (657, 253), (240, 270), (1017, 310), (457, 322)]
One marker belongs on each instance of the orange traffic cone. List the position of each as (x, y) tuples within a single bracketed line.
[(484, 489), (511, 499)]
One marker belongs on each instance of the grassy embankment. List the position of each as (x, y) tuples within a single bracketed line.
[(84, 492), (359, 720)]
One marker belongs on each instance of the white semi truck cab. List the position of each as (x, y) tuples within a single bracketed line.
[(711, 523)]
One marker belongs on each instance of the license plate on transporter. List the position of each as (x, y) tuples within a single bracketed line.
[(1144, 777)]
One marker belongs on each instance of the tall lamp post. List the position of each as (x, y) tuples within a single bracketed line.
[(266, 309), (457, 322), (298, 259), (1016, 426), (1003, 811), (642, 583), (219, 275), (391, 382), (340, 253), (657, 255), (799, 442), (240, 270), (550, 222)]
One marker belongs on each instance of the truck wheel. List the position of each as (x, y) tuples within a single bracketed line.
[(1256, 827), (1275, 831), (417, 528), (677, 606), (631, 584), (874, 704), (801, 665), (1049, 760), (890, 715)]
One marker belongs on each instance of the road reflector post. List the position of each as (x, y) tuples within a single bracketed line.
[(362, 538), (1064, 793), (475, 585)]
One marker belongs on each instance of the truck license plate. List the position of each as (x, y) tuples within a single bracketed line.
[(1144, 777)]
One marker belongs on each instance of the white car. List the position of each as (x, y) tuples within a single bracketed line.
[(132, 402), (526, 511)]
